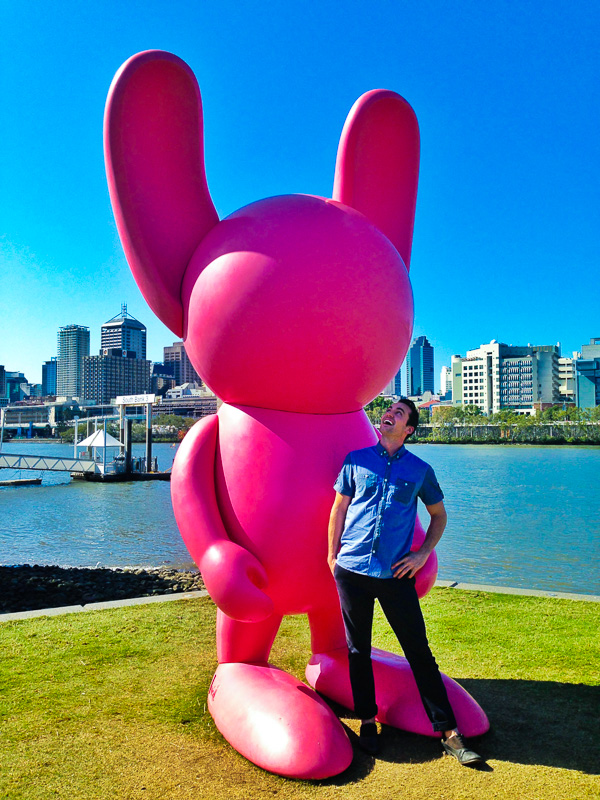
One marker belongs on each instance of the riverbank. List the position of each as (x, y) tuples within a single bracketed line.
[(29, 588), (526, 431), (555, 434)]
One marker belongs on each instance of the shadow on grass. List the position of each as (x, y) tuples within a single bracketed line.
[(540, 722), (532, 722)]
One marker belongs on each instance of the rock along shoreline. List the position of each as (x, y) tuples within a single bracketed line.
[(32, 587)]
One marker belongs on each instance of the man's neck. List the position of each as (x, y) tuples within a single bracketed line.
[(390, 445)]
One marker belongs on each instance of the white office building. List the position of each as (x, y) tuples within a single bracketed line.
[(445, 381), (566, 378), (498, 376)]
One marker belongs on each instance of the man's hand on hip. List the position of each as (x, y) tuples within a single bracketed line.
[(409, 564)]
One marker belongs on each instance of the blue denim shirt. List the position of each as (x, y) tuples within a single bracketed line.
[(380, 520)]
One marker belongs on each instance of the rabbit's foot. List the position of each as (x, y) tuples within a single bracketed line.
[(398, 698), (277, 722)]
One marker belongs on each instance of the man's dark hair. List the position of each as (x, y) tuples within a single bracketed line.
[(413, 417)]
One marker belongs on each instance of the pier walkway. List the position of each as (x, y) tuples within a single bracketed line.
[(82, 465)]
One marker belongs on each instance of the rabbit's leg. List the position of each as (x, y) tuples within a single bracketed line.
[(327, 627), (398, 698), (267, 715)]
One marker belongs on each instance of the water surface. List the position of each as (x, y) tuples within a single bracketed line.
[(519, 516)]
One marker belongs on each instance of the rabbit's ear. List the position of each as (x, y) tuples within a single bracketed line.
[(377, 167), (154, 152)]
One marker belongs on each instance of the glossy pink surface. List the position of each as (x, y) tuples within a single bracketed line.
[(296, 311), (153, 147), (277, 315), (396, 691), (299, 737)]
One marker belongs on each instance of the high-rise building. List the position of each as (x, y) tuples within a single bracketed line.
[(73, 346), (112, 373), (2, 382), (124, 332), (49, 377), (456, 367), (498, 376), (398, 383), (419, 368), (394, 387), (566, 379), (591, 350), (162, 378), (446, 382), (17, 386), (183, 370), (588, 375)]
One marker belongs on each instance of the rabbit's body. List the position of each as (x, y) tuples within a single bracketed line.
[(296, 311), (274, 471)]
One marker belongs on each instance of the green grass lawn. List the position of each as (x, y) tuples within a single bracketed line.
[(112, 704)]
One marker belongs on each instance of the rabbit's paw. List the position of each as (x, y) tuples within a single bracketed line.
[(235, 580), (277, 722), (397, 695)]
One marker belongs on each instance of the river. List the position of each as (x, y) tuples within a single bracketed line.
[(521, 516)]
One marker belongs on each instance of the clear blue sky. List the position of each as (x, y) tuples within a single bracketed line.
[(507, 225)]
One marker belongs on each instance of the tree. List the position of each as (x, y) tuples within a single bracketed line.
[(504, 417), (447, 415), (376, 408), (471, 412), (595, 414)]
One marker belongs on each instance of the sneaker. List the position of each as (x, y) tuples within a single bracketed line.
[(368, 739), (455, 746)]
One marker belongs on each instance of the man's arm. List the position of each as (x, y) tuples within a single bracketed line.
[(336, 526), (412, 562)]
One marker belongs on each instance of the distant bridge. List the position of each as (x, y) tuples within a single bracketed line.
[(14, 461)]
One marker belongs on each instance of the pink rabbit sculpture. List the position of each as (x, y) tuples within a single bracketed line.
[(296, 311)]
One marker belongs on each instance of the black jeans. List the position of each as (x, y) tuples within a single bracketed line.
[(400, 604)]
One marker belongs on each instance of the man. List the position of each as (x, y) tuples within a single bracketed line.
[(370, 535)]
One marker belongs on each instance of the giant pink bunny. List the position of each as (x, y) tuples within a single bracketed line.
[(297, 311)]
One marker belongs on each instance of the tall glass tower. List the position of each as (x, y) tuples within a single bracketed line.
[(419, 367), (73, 345), (49, 377)]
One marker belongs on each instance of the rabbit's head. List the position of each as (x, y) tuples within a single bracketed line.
[(297, 303)]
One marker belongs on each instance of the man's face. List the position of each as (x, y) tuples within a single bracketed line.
[(394, 423)]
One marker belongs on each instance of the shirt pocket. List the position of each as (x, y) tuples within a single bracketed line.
[(366, 483), (404, 492)]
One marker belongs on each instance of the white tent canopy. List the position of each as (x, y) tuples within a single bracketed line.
[(97, 440)]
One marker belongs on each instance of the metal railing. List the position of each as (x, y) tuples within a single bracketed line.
[(15, 461)]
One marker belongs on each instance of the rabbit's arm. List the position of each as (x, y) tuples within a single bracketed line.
[(233, 576)]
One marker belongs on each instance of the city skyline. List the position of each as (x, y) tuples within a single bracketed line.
[(169, 350), (506, 96), (492, 377)]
